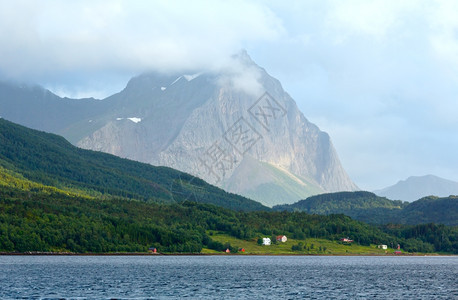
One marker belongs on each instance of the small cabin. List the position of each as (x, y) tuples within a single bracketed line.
[(282, 238), (384, 247), (346, 240), (266, 241)]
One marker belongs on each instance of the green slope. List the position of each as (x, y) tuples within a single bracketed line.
[(55, 197), (50, 160), (46, 219), (440, 210), (35, 217), (370, 208), (273, 184)]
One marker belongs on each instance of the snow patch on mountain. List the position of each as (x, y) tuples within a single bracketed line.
[(133, 119), (177, 80), (191, 77)]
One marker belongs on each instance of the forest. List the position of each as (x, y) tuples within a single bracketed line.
[(55, 197), (370, 208), (47, 221), (50, 160)]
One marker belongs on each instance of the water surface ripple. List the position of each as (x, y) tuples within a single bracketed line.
[(241, 277)]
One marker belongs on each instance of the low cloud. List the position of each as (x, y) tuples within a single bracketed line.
[(42, 40), (239, 73)]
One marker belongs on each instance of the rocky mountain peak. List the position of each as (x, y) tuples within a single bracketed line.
[(234, 127)]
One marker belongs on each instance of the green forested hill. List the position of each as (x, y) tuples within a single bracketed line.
[(440, 210), (370, 208), (56, 197), (333, 202), (363, 206), (47, 219), (50, 160)]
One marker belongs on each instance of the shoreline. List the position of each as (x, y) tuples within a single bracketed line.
[(36, 253)]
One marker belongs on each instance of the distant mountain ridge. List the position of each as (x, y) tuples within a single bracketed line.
[(38, 108), (236, 128), (416, 187)]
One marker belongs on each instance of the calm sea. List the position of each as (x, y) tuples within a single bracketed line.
[(241, 277)]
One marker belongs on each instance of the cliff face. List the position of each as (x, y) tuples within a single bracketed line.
[(236, 128)]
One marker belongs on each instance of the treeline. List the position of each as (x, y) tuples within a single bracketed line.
[(425, 237), (47, 221), (360, 205), (31, 221)]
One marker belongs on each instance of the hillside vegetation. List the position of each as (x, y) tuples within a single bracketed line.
[(50, 160), (55, 197), (441, 210), (370, 208), (50, 220)]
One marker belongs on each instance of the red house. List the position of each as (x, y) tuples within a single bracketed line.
[(282, 238)]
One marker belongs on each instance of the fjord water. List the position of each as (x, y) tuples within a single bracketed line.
[(241, 277)]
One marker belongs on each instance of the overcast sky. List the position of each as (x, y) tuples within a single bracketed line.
[(381, 77)]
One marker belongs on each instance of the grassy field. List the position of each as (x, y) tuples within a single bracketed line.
[(309, 246)]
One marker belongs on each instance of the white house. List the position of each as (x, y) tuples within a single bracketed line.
[(281, 238), (266, 241), (384, 247), (346, 240)]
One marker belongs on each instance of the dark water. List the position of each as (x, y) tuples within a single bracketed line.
[(241, 277)]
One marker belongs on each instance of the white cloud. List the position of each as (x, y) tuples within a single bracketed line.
[(241, 76), (381, 78), (52, 36), (376, 18), (444, 36)]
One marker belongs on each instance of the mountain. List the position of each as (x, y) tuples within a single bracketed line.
[(43, 159), (235, 127), (38, 108), (416, 187), (360, 205), (38, 218), (430, 209), (370, 208)]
